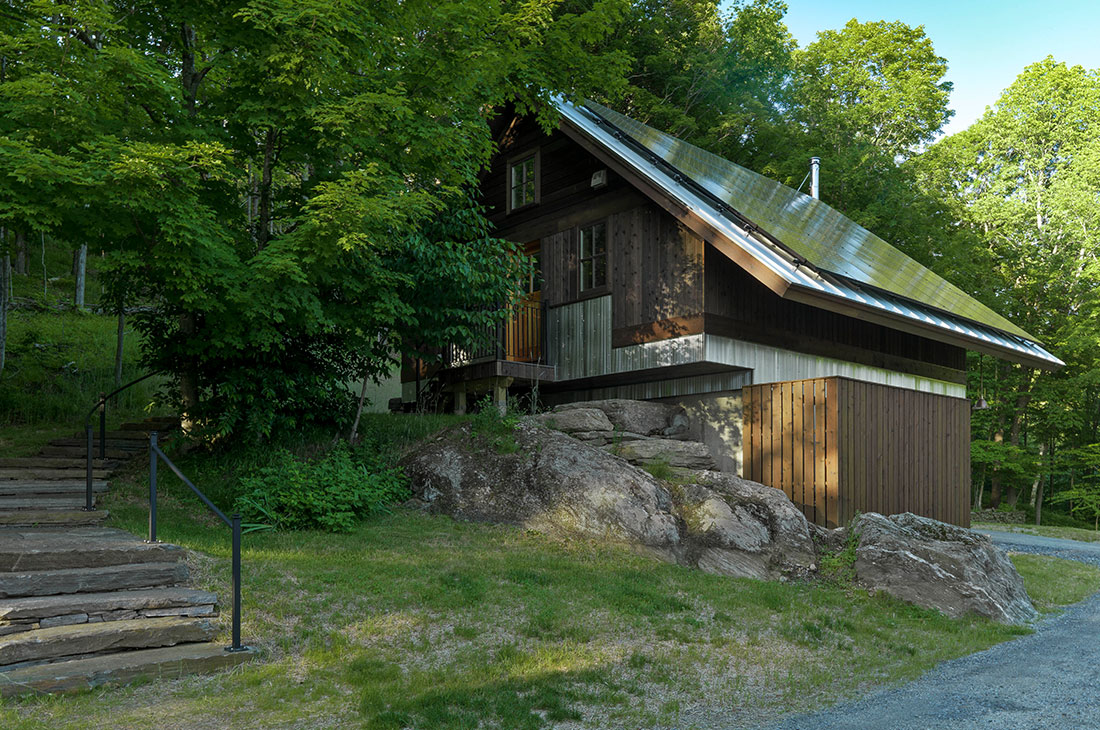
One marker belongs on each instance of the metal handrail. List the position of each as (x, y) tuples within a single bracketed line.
[(101, 406), (233, 522)]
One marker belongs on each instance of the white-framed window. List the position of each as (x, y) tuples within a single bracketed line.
[(523, 181), (593, 256)]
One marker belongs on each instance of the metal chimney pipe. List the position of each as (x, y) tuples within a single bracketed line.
[(815, 174)]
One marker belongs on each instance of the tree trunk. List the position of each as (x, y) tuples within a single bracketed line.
[(20, 253), (263, 223), (45, 281), (1039, 495), (81, 275), (981, 488), (189, 386), (118, 346), (995, 482), (1022, 399), (354, 434), (5, 278)]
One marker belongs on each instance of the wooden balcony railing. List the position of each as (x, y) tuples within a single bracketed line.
[(521, 338)]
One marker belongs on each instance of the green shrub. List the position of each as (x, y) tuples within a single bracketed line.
[(839, 566), (497, 428), (330, 492)]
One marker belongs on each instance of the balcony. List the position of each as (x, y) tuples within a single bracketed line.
[(515, 348)]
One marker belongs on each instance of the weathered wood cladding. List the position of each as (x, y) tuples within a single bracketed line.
[(656, 277), (565, 185), (739, 306), (837, 446)]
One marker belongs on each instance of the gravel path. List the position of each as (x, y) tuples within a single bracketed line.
[(1049, 680)]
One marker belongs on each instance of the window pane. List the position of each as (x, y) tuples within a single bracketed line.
[(528, 168), (529, 191), (517, 197), (586, 243), (586, 274)]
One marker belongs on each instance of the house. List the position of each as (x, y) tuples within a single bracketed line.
[(813, 356)]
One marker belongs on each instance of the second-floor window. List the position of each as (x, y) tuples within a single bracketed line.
[(522, 182), (593, 258)]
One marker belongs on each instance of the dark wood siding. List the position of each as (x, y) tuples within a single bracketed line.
[(838, 446), (657, 277), (739, 306)]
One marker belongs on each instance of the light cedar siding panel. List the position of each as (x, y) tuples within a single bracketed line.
[(798, 453), (832, 476), (838, 446)]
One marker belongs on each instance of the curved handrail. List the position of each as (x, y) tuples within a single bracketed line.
[(103, 399), (234, 524), (101, 406)]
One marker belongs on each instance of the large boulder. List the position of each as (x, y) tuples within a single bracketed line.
[(738, 527), (551, 483), (941, 566), (636, 416), (558, 485), (577, 420), (683, 454)]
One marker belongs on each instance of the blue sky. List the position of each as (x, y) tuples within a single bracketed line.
[(986, 42)]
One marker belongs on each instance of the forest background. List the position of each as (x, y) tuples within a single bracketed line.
[(277, 194)]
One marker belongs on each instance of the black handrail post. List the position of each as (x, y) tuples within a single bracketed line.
[(152, 486), (88, 486), (103, 426), (236, 584)]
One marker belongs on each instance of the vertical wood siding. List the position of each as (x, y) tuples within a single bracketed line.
[(837, 446)]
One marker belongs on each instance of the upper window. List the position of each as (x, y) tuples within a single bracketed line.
[(593, 259), (523, 186)]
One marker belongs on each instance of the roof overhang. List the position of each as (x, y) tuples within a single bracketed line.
[(768, 261)]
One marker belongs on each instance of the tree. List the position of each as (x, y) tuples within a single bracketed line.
[(267, 173), (1023, 183)]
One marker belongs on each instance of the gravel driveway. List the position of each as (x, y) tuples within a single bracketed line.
[(1049, 680)]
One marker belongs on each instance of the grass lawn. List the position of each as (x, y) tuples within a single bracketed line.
[(1067, 533), (423, 622)]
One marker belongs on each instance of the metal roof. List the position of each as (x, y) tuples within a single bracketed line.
[(846, 261)]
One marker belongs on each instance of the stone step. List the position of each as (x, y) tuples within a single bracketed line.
[(152, 424), (129, 445), (105, 606), (80, 451), (51, 486), (113, 669), (51, 518), (91, 580), (23, 474), (81, 547), (72, 501), (55, 462), (140, 436), (92, 638)]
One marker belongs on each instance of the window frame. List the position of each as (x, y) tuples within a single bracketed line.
[(513, 161), (596, 288)]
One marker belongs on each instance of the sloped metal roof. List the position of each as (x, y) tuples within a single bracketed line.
[(845, 260)]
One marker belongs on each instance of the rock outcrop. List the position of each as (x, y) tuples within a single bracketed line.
[(579, 472), (941, 566), (555, 484), (637, 416)]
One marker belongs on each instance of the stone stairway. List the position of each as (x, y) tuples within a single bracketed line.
[(82, 605)]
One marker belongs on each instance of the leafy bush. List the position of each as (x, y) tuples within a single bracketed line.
[(330, 493), (497, 428)]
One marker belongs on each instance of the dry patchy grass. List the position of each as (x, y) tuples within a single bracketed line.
[(423, 622)]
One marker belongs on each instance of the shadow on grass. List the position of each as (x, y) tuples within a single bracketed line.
[(510, 688)]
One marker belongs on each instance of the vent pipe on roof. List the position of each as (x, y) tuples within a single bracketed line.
[(815, 173)]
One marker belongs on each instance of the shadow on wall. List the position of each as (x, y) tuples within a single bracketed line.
[(716, 419)]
